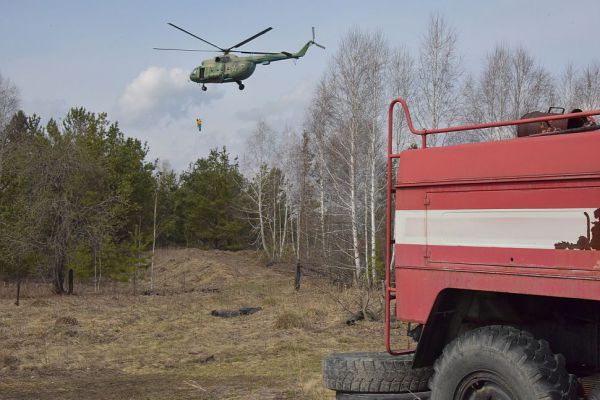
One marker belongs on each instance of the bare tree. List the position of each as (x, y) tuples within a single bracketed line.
[(533, 87), (268, 191), (510, 85), (352, 94), (9, 100), (402, 83), (580, 88), (9, 104), (567, 87), (438, 73), (319, 126), (587, 87), (345, 130), (257, 158), (380, 55)]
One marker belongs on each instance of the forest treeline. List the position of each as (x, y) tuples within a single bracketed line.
[(80, 194)]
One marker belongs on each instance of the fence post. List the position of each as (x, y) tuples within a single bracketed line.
[(18, 291), (70, 281)]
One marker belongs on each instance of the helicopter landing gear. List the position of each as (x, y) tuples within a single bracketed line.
[(204, 87), (240, 85)]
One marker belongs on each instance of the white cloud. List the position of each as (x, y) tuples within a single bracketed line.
[(160, 107), (159, 92)]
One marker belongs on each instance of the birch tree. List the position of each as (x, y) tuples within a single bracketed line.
[(259, 153), (580, 88), (378, 52), (9, 104), (532, 86), (352, 94), (566, 88), (268, 191), (345, 128), (319, 127), (438, 74), (587, 87), (402, 83), (510, 85)]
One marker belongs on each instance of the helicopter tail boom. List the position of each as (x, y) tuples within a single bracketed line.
[(303, 50)]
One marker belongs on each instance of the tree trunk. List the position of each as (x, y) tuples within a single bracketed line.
[(154, 234), (353, 207), (18, 291), (373, 207), (59, 273), (366, 223), (298, 276), (95, 270), (261, 218), (285, 223), (275, 222), (135, 280), (99, 270), (322, 204), (70, 281)]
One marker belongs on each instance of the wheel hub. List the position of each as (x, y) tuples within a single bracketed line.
[(483, 386)]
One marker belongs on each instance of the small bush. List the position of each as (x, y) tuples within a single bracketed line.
[(291, 319), (9, 361), (270, 301), (315, 314), (71, 321)]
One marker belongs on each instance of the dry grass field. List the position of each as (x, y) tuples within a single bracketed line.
[(114, 345)]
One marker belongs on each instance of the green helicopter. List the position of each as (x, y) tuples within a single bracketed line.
[(229, 67)]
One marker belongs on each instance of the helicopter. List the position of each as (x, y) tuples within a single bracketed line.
[(229, 67)]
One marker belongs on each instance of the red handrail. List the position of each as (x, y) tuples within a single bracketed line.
[(391, 156), (425, 132)]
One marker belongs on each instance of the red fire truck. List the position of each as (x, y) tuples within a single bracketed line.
[(495, 262)]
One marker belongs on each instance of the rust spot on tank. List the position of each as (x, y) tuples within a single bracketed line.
[(589, 242)]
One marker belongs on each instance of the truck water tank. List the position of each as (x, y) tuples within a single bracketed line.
[(535, 128)]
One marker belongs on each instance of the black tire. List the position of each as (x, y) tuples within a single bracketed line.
[(373, 373), (501, 362)]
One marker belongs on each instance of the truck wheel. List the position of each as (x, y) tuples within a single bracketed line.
[(373, 373), (501, 363), (595, 395)]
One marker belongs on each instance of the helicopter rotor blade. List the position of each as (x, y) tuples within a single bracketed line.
[(249, 39), (197, 37), (252, 52), (313, 40), (207, 51)]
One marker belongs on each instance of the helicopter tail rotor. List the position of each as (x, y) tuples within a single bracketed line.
[(313, 40)]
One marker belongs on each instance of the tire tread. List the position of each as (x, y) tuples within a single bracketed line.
[(545, 369), (373, 373)]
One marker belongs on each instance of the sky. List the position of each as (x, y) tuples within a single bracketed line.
[(98, 54)]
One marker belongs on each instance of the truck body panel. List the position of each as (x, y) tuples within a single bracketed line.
[(517, 216)]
